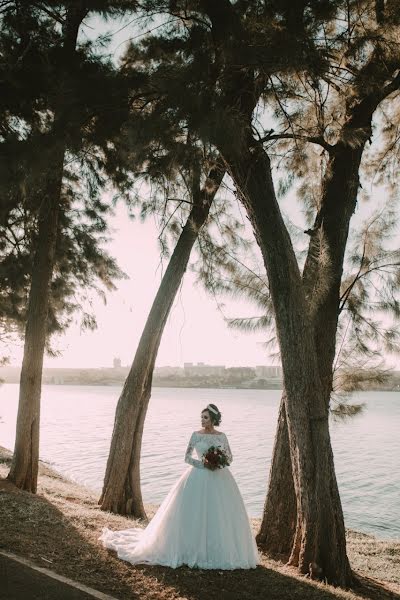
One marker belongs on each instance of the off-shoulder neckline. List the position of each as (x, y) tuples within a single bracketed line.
[(202, 433)]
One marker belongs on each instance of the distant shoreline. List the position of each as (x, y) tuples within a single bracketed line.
[(187, 385), (241, 378), (174, 384)]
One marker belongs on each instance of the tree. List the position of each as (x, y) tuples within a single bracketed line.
[(53, 119), (362, 93), (233, 55), (121, 490), (24, 467), (330, 228), (184, 176)]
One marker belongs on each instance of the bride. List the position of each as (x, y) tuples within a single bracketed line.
[(202, 522)]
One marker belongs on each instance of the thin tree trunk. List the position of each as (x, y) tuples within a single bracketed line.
[(121, 490), (24, 468)]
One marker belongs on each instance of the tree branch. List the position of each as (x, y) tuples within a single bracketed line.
[(318, 139), (359, 276), (52, 14)]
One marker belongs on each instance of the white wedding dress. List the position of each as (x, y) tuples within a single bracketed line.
[(201, 523)]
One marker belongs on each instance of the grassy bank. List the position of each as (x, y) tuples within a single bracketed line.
[(59, 527)]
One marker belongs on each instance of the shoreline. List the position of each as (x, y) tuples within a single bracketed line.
[(153, 507), (205, 385), (60, 525), (173, 384), (270, 385)]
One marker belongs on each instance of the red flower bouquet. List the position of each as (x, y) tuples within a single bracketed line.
[(215, 458)]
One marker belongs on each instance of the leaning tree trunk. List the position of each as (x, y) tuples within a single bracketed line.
[(25, 463), (322, 287), (121, 490), (319, 537)]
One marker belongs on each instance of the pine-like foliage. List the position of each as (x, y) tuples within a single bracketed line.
[(179, 107), (369, 307), (308, 105), (32, 69)]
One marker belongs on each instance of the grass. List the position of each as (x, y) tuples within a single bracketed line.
[(58, 528)]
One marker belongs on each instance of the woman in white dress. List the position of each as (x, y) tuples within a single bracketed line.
[(202, 522)]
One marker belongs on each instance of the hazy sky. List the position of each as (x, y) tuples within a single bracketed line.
[(195, 331)]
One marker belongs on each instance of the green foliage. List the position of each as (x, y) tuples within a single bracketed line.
[(370, 303), (369, 308), (38, 80), (334, 59), (314, 113), (151, 126)]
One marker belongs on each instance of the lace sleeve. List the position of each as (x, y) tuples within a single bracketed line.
[(188, 454), (227, 449)]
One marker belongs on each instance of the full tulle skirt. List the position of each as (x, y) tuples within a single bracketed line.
[(201, 523)]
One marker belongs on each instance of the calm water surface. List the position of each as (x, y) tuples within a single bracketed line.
[(77, 424)]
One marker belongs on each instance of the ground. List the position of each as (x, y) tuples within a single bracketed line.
[(59, 528)]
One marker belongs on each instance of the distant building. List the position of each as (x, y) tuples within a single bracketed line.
[(201, 368), (117, 363), (268, 371), (168, 372)]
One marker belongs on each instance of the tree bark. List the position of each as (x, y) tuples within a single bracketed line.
[(319, 536), (121, 490), (278, 525), (24, 468), (322, 281)]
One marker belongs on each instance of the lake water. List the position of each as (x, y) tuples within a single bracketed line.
[(77, 423)]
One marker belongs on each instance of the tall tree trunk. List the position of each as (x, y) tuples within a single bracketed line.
[(24, 468), (121, 490), (319, 536), (322, 280)]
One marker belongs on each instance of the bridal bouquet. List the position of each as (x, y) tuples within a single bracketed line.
[(215, 457)]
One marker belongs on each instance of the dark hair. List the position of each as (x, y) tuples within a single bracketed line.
[(215, 417)]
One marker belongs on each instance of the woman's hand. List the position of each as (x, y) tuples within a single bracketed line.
[(209, 465)]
